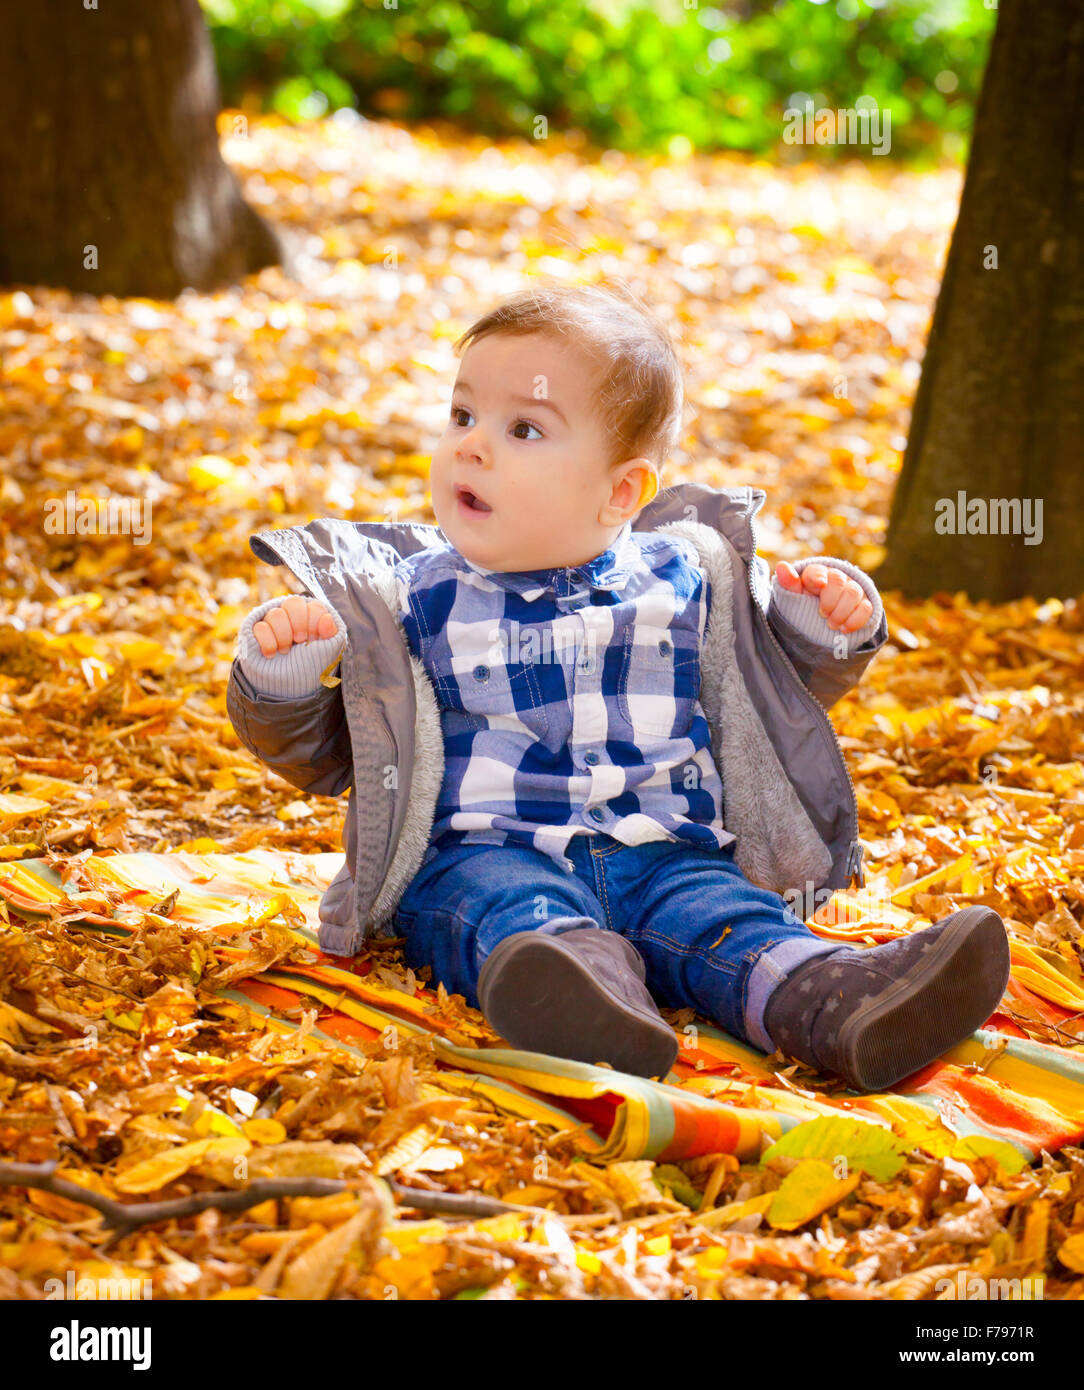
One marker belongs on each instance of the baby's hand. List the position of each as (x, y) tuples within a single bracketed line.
[(295, 620), (843, 603)]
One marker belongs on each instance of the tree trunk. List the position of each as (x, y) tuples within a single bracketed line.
[(113, 180), (999, 412)]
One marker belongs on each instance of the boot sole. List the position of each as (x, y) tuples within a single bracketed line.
[(542, 998), (954, 990)]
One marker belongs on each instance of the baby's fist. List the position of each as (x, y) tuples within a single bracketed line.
[(843, 602), (295, 620)]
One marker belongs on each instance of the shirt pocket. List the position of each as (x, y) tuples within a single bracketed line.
[(659, 681), (501, 696)]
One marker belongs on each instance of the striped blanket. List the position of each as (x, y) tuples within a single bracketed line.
[(722, 1096)]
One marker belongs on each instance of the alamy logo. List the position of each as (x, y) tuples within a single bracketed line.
[(802, 903), (862, 124), (994, 516), (512, 644), (118, 1286), (72, 515), (76, 1343), (969, 1286)]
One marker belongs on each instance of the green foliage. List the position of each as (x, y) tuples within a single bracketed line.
[(670, 1179), (635, 74)]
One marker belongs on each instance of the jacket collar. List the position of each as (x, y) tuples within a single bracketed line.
[(321, 552), (610, 570)]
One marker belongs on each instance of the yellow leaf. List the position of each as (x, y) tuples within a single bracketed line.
[(64, 1208), (271, 908), (1007, 1157), (942, 875), (411, 1146), (157, 1172), (405, 1237), (438, 1159), (328, 1211), (213, 1121), (15, 306), (264, 1131), (164, 1168), (14, 807), (130, 1021), (871, 1148), (412, 1275), (633, 1185), (146, 655), (313, 1273), (88, 601), (870, 556), (735, 1211), (129, 441), (711, 1263), (507, 1226), (1071, 1253), (14, 1023), (533, 1195), (805, 1192), (1032, 1247), (211, 471)]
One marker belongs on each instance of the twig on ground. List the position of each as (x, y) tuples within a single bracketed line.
[(126, 1216)]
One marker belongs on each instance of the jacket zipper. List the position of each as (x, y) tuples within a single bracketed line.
[(856, 849)]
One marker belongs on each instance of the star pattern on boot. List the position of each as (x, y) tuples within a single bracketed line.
[(804, 1019)]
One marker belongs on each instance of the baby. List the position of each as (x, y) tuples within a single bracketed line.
[(586, 863)]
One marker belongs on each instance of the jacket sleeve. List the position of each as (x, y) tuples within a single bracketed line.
[(829, 662), (302, 735)]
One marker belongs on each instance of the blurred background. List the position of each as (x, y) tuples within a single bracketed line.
[(662, 77)]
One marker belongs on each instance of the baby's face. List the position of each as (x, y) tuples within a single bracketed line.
[(519, 477)]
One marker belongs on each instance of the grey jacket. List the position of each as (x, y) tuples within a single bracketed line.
[(375, 730)]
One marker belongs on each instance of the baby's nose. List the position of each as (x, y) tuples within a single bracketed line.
[(473, 446)]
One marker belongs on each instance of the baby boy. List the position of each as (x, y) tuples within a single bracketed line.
[(580, 871)]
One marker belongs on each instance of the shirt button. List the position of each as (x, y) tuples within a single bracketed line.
[(596, 813), (590, 758), (481, 673), (665, 648)]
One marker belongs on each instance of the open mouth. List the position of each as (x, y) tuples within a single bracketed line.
[(470, 500)]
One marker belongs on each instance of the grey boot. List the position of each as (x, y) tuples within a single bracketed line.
[(876, 1016), (577, 993)]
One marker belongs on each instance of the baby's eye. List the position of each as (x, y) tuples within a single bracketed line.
[(458, 410), (529, 426)]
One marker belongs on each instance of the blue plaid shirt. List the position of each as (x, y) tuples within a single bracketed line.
[(569, 698)]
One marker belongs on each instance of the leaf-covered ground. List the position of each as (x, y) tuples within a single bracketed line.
[(800, 302)]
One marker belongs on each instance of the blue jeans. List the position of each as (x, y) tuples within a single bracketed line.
[(710, 939)]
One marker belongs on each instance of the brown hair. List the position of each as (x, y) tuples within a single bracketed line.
[(640, 383)]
